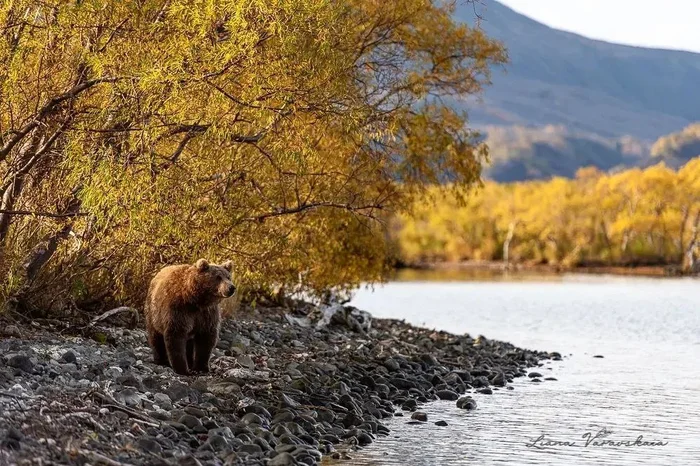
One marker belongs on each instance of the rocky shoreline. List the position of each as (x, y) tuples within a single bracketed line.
[(288, 387)]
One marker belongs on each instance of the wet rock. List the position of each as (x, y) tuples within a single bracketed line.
[(130, 380), (160, 415), (21, 361), (177, 391), (532, 375), (256, 337), (250, 449), (163, 400), (419, 416), (551, 378), (282, 459), (409, 405), (129, 397), (189, 460), (10, 331), (149, 445), (69, 357), (113, 373), (216, 443), (466, 402), (325, 415), (194, 411), (245, 361), (447, 395), (259, 410), (351, 419), (486, 391), (225, 389), (480, 382), (363, 439), (499, 380), (402, 384), (599, 356), (189, 421), (535, 380), (125, 359), (252, 418), (288, 402), (429, 360), (224, 432), (12, 440), (441, 424), (283, 416), (464, 375)]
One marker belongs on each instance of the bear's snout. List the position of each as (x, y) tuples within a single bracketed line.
[(229, 291)]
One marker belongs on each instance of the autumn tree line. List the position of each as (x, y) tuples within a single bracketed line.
[(635, 217), (279, 134)]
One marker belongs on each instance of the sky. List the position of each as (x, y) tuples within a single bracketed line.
[(671, 24)]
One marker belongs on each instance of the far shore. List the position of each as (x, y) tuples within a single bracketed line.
[(494, 269)]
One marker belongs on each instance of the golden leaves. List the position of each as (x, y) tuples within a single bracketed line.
[(642, 216), (280, 133)]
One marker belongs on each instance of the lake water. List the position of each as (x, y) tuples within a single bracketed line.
[(647, 384)]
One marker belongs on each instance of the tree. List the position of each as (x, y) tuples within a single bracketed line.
[(135, 134), (645, 217)]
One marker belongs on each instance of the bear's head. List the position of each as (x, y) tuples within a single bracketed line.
[(214, 280)]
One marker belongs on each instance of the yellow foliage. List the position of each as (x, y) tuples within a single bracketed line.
[(276, 133), (636, 216)]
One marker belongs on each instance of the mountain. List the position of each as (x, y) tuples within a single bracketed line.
[(560, 78), (595, 97)]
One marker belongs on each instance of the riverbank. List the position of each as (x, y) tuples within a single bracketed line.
[(496, 268), (287, 387)]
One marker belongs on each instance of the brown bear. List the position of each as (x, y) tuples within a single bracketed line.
[(182, 313)]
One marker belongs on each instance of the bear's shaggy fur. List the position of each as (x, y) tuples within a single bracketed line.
[(182, 313)]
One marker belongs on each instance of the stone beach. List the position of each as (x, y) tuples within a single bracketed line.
[(288, 386)]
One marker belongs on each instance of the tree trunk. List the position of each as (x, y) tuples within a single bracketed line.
[(681, 236), (8, 203), (11, 190), (625, 242), (606, 238), (692, 264), (506, 243)]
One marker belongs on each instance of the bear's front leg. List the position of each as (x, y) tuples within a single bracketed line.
[(176, 346), (160, 354), (203, 345)]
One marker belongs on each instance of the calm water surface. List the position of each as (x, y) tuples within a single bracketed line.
[(648, 383)]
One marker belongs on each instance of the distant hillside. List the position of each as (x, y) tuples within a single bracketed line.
[(559, 78), (678, 148), (520, 153)]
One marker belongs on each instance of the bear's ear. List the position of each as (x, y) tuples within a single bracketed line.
[(228, 265), (201, 265)]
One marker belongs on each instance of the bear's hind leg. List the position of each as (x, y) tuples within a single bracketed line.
[(176, 345), (190, 353), (160, 355), (203, 345)]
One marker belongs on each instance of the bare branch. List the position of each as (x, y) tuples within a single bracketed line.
[(49, 107), (43, 214), (303, 207)]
